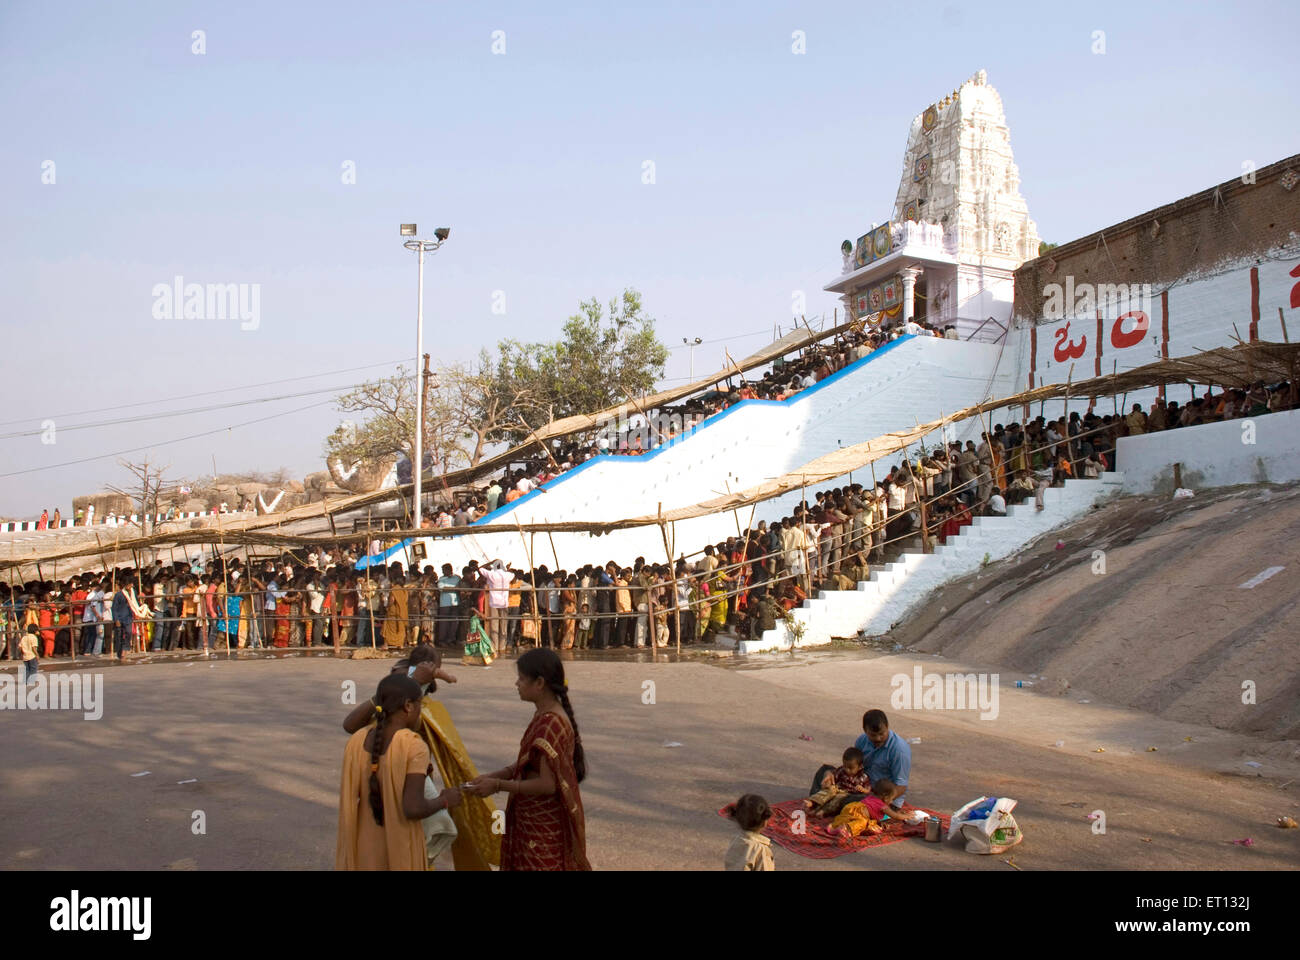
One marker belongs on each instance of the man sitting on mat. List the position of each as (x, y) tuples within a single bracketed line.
[(885, 756)]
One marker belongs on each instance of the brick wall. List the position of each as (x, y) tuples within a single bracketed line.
[(1193, 235)]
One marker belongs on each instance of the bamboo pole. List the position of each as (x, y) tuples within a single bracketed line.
[(672, 574), (1065, 415), (11, 634), (651, 626), (1282, 316), (528, 551), (72, 631), (541, 443), (225, 581), (985, 422), (139, 592), (537, 613), (920, 495), (370, 597), (252, 601), (554, 555), (803, 526)]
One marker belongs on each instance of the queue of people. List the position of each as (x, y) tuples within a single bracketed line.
[(742, 585), (648, 431)]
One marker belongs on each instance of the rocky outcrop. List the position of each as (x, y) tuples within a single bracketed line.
[(320, 485), (362, 476), (104, 504)]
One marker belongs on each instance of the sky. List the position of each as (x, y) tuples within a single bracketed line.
[(281, 147)]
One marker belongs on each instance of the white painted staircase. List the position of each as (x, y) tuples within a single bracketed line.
[(896, 589)]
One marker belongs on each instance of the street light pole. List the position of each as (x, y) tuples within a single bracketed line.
[(419, 393), (692, 344), (422, 247)]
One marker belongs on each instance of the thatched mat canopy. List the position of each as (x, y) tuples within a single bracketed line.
[(1239, 366)]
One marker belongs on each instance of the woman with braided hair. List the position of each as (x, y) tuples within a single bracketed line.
[(476, 846), (381, 798), (545, 826)]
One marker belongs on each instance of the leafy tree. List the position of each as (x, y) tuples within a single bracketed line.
[(1044, 246), (606, 354)]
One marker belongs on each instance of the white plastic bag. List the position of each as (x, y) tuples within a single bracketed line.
[(986, 825)]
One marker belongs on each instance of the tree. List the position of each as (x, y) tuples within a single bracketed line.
[(387, 429), (492, 402), (604, 357), (1044, 246), (147, 481)]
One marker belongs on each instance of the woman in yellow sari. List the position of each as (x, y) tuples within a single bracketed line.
[(999, 464), (476, 846), (395, 627), (381, 796), (718, 584)]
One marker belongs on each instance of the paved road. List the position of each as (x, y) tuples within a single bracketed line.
[(263, 741)]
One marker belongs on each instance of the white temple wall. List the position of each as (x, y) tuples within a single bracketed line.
[(911, 381), (1197, 312)]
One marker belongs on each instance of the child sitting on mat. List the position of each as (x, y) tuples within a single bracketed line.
[(864, 815), (840, 786)]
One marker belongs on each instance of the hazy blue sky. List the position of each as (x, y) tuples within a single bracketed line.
[(226, 167)]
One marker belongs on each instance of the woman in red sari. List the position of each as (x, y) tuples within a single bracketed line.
[(282, 611), (545, 826)]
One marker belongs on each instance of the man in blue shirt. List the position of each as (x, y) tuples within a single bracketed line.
[(885, 755), (448, 607)]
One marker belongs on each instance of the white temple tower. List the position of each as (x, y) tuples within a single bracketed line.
[(960, 227)]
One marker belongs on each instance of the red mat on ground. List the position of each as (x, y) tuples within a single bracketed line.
[(815, 843)]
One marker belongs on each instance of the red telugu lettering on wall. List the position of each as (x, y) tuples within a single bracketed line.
[(1072, 351), (1119, 338)]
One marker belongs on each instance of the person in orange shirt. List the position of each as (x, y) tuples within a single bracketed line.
[(45, 614), (187, 613)]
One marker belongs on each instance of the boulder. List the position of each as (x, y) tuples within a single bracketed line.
[(104, 504)]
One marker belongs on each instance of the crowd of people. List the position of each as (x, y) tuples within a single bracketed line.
[(85, 516), (647, 431), (742, 585)]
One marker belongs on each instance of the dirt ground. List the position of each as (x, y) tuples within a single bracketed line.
[(262, 742), (1164, 627)]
